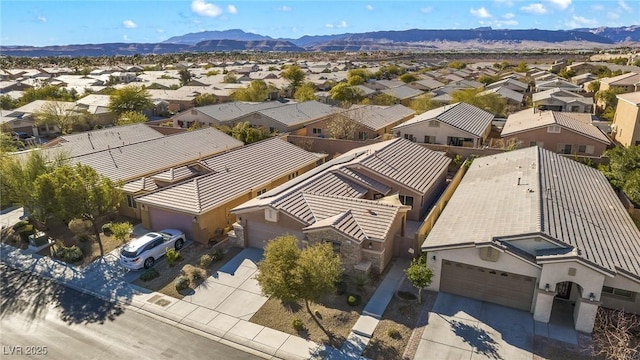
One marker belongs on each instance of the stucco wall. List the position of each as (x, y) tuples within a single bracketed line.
[(620, 303), (552, 140), (627, 121), (422, 129), (589, 279)]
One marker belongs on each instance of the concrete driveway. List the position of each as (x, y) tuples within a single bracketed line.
[(232, 290), (463, 328)]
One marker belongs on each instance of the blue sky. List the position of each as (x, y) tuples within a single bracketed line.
[(39, 23)]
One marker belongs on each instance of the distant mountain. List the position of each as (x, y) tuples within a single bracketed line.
[(233, 34), (617, 34)]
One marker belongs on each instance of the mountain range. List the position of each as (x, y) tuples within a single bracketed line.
[(406, 40)]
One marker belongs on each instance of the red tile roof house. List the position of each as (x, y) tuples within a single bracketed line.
[(459, 124), (199, 205), (530, 228), (360, 202), (561, 132)]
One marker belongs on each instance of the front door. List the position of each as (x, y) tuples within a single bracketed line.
[(564, 290)]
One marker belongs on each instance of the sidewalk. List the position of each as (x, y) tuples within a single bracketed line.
[(107, 280)]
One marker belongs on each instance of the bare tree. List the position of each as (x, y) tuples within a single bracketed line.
[(616, 335), (342, 127)]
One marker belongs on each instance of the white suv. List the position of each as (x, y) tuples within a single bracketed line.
[(143, 251)]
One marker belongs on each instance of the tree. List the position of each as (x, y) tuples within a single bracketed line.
[(343, 92), (384, 99), (63, 115), (419, 274), (230, 78), (631, 186), (488, 79), (46, 92), (294, 75), (342, 127), (185, 76), (423, 103), (608, 100), (7, 102), (244, 132), (567, 73), (131, 117), (622, 170), (205, 99), (257, 91), (306, 92), (129, 98), (458, 65), (77, 192), (408, 78), (291, 274), (594, 86), (522, 67), (613, 334), (490, 102)]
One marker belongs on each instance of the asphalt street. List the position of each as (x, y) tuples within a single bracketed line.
[(41, 319)]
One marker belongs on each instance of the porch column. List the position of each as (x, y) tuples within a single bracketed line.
[(584, 314), (543, 305)]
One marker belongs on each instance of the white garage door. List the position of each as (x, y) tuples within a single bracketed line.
[(260, 233), (484, 284), (164, 219)]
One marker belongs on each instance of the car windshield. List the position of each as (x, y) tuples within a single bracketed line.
[(129, 254), (166, 236)]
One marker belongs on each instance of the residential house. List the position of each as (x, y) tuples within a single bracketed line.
[(8, 86), (582, 68), (626, 83), (291, 116), (27, 122), (511, 84), (403, 93), (427, 84), (372, 121), (459, 124), (626, 123), (561, 132), (557, 83), (514, 99), (200, 205), (583, 79), (557, 99), (218, 114), (359, 202), (98, 106), (529, 229)]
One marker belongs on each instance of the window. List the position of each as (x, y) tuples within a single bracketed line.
[(260, 192), (429, 139), (434, 123), (575, 109), (621, 293), (272, 129), (363, 135), (335, 245), (131, 202), (293, 175), (409, 137), (317, 131), (555, 129), (585, 149), (406, 200), (564, 148)]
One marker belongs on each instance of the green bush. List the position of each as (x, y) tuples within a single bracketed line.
[(297, 324), (217, 255), (121, 230), (354, 300), (20, 224), (71, 254), (83, 238), (25, 231), (173, 256), (394, 333), (106, 229), (149, 274), (206, 260), (182, 283)]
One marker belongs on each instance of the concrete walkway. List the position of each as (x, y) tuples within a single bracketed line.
[(219, 308)]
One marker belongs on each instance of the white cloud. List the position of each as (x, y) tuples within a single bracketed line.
[(329, 26), (597, 7), (481, 13), (284, 8), (125, 38), (579, 21), (624, 5), (370, 7), (508, 16), (562, 4), (426, 10), (41, 18), (536, 8), (232, 9), (203, 8), (129, 24), (342, 24)]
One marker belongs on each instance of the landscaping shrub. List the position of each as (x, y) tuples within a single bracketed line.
[(297, 324), (193, 274), (83, 238), (149, 274), (394, 333), (206, 260), (182, 283), (173, 256), (71, 254), (25, 231), (354, 300), (121, 230), (79, 226), (20, 224), (106, 229), (341, 287), (360, 281), (217, 255)]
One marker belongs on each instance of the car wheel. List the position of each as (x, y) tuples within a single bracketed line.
[(149, 263), (179, 244)]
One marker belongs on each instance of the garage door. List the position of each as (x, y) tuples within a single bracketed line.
[(484, 284), (163, 219), (259, 233)]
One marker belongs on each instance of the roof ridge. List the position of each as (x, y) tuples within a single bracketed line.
[(366, 237), (366, 201), (315, 218)]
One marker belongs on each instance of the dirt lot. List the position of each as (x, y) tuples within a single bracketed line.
[(189, 255), (336, 316)]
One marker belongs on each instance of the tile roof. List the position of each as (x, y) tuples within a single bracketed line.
[(233, 110), (234, 173), (632, 98), (139, 159), (529, 119), (378, 117), (403, 92), (299, 113), (430, 83), (557, 197), (463, 116), (504, 92), (631, 78)]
